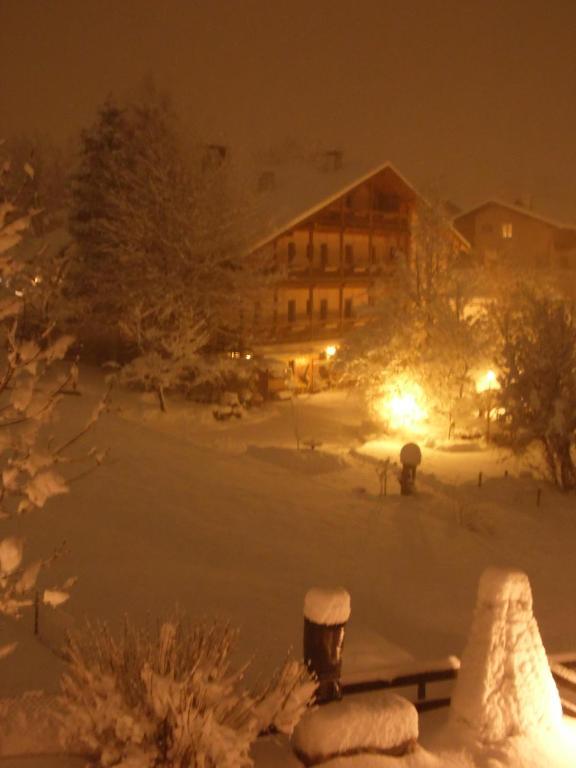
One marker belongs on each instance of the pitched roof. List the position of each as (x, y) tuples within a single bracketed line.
[(516, 209), (301, 194)]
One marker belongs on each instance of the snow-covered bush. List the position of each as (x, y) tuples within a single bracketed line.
[(538, 378), (170, 696)]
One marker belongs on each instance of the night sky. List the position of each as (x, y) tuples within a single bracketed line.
[(474, 97)]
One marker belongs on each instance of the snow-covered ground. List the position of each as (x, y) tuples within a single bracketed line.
[(230, 520)]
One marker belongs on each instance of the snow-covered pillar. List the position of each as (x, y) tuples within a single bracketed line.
[(326, 612), (504, 686)]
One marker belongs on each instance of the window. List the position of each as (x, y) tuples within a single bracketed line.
[(291, 310), (507, 230), (348, 308), (310, 252), (385, 203), (291, 252), (323, 309), (323, 255), (349, 255)]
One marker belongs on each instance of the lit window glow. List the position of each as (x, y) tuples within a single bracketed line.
[(507, 230), (402, 406)]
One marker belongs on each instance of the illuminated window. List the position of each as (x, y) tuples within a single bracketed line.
[(291, 310), (348, 308), (507, 230), (291, 252)]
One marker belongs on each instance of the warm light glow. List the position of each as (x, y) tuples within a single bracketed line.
[(330, 350), (402, 406), (487, 382)]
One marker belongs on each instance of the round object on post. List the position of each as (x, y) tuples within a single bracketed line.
[(411, 455), (326, 612)]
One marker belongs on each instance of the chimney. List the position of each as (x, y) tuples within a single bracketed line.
[(267, 181), (332, 160), (215, 155), (524, 201)]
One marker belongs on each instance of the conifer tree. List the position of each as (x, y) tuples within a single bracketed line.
[(161, 247)]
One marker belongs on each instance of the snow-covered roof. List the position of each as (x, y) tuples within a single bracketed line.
[(301, 190), (516, 209)]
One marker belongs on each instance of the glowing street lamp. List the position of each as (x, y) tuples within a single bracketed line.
[(488, 383), (402, 407)]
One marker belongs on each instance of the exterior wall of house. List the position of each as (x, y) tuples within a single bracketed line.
[(335, 255), (503, 237)]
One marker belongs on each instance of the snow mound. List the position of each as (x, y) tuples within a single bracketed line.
[(327, 606), (373, 723), (505, 687)]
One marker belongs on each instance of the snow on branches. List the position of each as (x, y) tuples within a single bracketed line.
[(33, 379), (538, 377), (170, 696)]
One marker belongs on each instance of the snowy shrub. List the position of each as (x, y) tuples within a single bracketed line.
[(210, 377), (170, 696)]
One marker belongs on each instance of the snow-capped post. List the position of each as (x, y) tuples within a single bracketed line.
[(326, 612), (410, 458)]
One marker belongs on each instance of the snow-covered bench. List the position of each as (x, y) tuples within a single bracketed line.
[(410, 674), (368, 724)]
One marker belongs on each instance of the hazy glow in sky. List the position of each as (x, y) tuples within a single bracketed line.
[(474, 96)]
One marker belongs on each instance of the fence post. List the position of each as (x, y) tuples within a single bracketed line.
[(326, 612), (36, 613)]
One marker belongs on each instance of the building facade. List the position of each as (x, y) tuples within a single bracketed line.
[(331, 256), (512, 238)]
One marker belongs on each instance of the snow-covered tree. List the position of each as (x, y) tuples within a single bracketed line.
[(171, 696), (424, 326), (33, 378), (40, 180), (162, 250), (537, 366)]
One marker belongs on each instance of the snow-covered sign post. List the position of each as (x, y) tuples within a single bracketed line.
[(505, 687), (326, 612)]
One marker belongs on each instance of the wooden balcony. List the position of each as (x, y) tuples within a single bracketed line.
[(361, 221)]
